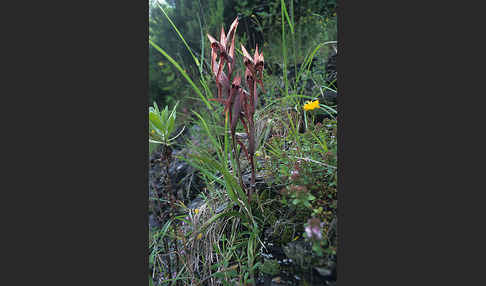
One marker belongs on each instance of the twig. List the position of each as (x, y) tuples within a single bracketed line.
[(314, 161), (171, 252), (166, 246)]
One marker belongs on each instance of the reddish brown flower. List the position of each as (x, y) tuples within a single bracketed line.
[(239, 103)]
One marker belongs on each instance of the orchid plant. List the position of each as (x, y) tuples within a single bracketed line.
[(240, 103)]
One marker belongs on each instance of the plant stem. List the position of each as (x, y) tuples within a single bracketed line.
[(253, 184), (166, 246), (172, 197), (237, 159)]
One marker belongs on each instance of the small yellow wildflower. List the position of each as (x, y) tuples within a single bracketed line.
[(161, 64), (199, 236), (153, 131), (196, 211), (311, 105)]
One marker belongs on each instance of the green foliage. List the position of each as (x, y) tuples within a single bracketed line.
[(271, 267), (300, 196), (161, 125), (311, 20), (183, 72), (162, 81)]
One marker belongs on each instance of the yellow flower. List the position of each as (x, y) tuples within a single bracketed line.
[(311, 105), (161, 64), (196, 211), (153, 131), (199, 236)]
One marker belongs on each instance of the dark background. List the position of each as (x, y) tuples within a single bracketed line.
[(78, 206)]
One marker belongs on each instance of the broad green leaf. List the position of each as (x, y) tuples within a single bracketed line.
[(155, 119)]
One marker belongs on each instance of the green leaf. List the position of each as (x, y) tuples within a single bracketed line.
[(152, 147), (220, 275), (263, 14), (172, 118), (215, 266), (258, 264), (317, 249), (165, 115), (284, 9), (151, 283), (170, 77), (170, 125), (154, 118)]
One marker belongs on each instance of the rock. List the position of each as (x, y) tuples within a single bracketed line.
[(332, 232), (195, 204), (324, 272), (330, 75), (300, 252), (331, 72), (330, 96), (328, 270), (177, 171), (183, 178), (221, 207)]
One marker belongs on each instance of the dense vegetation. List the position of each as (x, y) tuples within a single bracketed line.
[(243, 147)]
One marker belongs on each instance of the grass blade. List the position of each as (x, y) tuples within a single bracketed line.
[(178, 67), (284, 49), (284, 11), (180, 35)]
